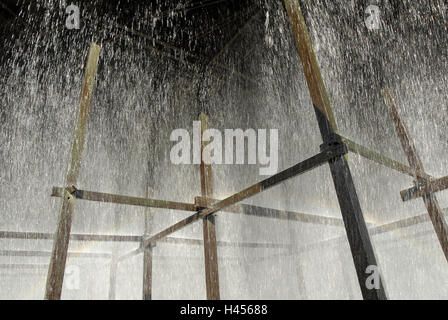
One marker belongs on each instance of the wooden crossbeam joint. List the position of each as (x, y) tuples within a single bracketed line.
[(423, 188)]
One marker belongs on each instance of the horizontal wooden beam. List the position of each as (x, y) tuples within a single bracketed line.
[(233, 244), (127, 200), (76, 237), (31, 253), (380, 159), (427, 187), (264, 212), (300, 168), (112, 238)]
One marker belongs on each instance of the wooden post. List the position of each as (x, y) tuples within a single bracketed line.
[(430, 200), (147, 254), (210, 249), (357, 234), (56, 269)]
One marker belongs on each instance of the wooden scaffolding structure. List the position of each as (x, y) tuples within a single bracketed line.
[(333, 151)]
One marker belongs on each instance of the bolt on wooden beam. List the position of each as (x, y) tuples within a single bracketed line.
[(427, 188), (358, 236), (430, 200), (56, 269), (208, 223)]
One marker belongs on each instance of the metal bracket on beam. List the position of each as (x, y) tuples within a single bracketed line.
[(333, 142)]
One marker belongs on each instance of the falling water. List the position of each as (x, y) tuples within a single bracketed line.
[(141, 95)]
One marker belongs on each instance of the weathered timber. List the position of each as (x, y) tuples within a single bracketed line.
[(37, 253), (56, 269), (127, 200), (263, 212), (379, 158), (148, 253), (123, 238), (356, 229), (200, 204), (272, 181), (430, 200), (208, 223), (427, 188)]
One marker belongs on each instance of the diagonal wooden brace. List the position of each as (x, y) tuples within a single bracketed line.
[(430, 200)]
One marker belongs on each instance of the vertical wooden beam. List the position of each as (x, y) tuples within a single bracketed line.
[(430, 200), (356, 229), (147, 253), (210, 249), (56, 269)]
